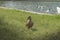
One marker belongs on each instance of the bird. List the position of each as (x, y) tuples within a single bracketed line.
[(29, 22)]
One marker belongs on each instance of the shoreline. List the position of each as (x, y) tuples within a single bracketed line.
[(27, 11)]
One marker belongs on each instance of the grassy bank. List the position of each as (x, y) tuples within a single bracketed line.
[(12, 26)]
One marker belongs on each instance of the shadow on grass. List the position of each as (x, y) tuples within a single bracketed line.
[(7, 34), (33, 29), (2, 21), (53, 36), (10, 31)]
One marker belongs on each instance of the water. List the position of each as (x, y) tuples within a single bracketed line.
[(42, 7)]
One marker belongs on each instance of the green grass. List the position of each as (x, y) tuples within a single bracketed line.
[(12, 26)]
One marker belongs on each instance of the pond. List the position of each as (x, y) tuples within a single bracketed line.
[(42, 7)]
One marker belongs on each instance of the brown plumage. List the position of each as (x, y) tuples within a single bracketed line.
[(29, 23)]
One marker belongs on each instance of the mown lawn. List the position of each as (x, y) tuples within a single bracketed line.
[(12, 26)]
